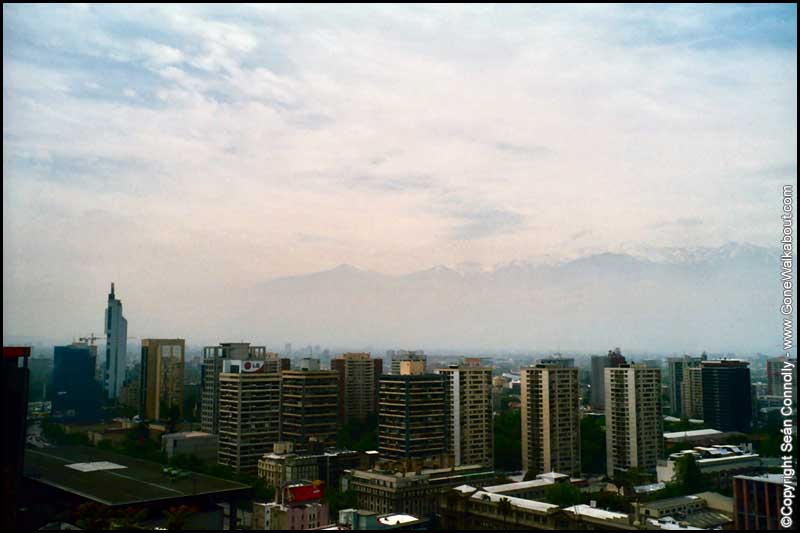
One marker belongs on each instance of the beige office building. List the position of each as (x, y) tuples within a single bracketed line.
[(309, 407), (468, 397), (249, 413), (161, 386), (358, 385), (692, 391), (550, 412), (634, 421)]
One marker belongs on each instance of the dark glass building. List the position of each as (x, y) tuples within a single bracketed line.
[(726, 395), (76, 393)]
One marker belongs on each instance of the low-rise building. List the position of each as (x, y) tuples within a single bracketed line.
[(533, 489), (466, 507), (703, 511), (359, 520), (284, 466), (201, 445), (414, 492), (719, 462)]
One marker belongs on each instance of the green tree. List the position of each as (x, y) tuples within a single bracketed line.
[(563, 494), (508, 441), (688, 475), (177, 516), (593, 444)]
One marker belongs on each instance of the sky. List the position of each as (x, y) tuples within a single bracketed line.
[(187, 152)]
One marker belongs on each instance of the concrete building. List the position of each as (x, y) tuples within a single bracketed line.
[(556, 360), (412, 419), (727, 400), (634, 421), (130, 395), (692, 393), (677, 367), (534, 489), (116, 346), (161, 385), (358, 385), (705, 510), (599, 364), (249, 407), (76, 394), (213, 360), (360, 520), (280, 517), (309, 407), (466, 508), (396, 356), (470, 426), (719, 463), (414, 492), (550, 413), (283, 466), (757, 502), (775, 379), (204, 446)]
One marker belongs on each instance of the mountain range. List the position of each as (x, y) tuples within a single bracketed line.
[(648, 299)]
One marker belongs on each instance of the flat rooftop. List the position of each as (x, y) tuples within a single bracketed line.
[(113, 479), (693, 433)]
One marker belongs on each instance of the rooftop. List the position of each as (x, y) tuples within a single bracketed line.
[(764, 478), (692, 433), (521, 503), (594, 512), (113, 479)]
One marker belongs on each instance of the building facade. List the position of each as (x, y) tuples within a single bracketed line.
[(470, 426), (677, 368), (309, 407), (213, 360), (358, 385), (412, 418), (249, 411), (757, 502), (161, 380), (634, 419), (396, 356), (116, 346), (727, 395), (76, 394), (550, 398), (692, 393)]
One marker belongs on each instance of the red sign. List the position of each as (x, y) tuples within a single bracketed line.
[(13, 352), (304, 493)]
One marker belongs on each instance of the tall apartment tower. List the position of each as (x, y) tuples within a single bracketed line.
[(161, 382), (116, 346), (309, 407), (470, 427), (412, 418), (677, 368), (727, 404), (213, 361), (550, 397), (358, 385), (397, 356), (634, 421), (692, 393), (249, 413)]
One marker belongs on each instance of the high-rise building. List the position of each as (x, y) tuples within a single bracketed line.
[(412, 419), (470, 427), (556, 360), (775, 380), (161, 381), (358, 385), (213, 359), (15, 376), (692, 393), (727, 400), (677, 367), (598, 380), (550, 397), (116, 346), (396, 356), (309, 407), (76, 394), (634, 420), (757, 502), (249, 413)]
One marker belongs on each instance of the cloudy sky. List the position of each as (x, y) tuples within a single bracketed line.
[(188, 151)]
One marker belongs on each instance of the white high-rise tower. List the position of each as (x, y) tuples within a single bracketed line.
[(116, 346)]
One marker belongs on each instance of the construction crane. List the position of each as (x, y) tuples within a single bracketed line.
[(91, 338)]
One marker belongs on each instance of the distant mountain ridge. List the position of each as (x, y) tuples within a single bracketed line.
[(669, 299)]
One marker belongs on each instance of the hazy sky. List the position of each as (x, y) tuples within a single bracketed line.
[(185, 151)]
